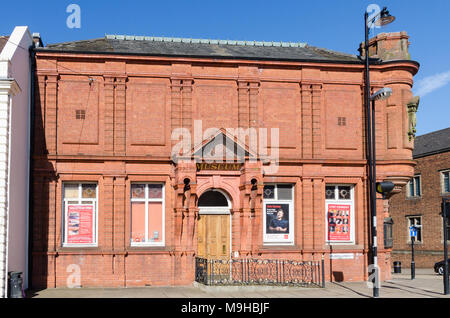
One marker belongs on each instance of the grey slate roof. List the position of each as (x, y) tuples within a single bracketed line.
[(159, 46), (432, 143)]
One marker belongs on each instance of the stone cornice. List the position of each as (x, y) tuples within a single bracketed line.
[(9, 85)]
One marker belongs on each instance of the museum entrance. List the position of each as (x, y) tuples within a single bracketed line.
[(214, 234)]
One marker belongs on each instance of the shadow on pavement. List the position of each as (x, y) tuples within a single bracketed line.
[(352, 290), (412, 287)]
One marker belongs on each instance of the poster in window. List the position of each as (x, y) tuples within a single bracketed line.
[(80, 220), (338, 222), (277, 221)]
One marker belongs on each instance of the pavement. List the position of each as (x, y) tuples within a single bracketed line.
[(426, 284)]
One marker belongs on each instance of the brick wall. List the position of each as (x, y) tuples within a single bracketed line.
[(428, 205), (131, 107)]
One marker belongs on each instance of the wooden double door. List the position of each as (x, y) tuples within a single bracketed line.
[(214, 236)]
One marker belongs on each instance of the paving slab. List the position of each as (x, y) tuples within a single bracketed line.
[(427, 284)]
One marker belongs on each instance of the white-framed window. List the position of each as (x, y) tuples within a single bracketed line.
[(278, 216), (147, 217), (415, 220), (414, 187), (80, 217), (339, 214), (445, 182)]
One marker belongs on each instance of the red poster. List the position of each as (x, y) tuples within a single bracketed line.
[(338, 221), (80, 220)]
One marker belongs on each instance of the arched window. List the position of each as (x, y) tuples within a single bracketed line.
[(212, 198)]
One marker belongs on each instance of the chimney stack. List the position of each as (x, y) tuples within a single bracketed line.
[(388, 46), (37, 40)]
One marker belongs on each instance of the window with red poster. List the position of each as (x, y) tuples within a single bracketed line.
[(339, 214), (80, 214)]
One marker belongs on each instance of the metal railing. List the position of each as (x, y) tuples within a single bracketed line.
[(252, 271)]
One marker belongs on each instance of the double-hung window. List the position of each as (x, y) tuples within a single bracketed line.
[(445, 182), (79, 214), (147, 214), (278, 220), (414, 189)]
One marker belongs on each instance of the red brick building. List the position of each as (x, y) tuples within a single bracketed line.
[(420, 202), (114, 206)]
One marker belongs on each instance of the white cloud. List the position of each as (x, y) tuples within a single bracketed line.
[(431, 83)]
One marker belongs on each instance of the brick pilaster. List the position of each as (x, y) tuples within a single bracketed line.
[(253, 104), (51, 93), (316, 120), (119, 214), (243, 105), (186, 98), (175, 118), (318, 214), (307, 146), (308, 221), (119, 117), (108, 215), (109, 115)]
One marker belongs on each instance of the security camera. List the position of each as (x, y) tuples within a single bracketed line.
[(382, 94)]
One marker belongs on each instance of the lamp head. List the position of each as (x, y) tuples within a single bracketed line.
[(382, 94), (384, 187), (385, 18)]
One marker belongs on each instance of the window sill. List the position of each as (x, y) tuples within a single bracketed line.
[(278, 248), (77, 247), (414, 198), (148, 248)]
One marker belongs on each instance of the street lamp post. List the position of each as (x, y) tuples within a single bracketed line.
[(383, 18)]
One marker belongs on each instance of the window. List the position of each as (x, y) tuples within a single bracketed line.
[(387, 229), (417, 222), (339, 214), (414, 187), (80, 214), (445, 182), (147, 214), (278, 217)]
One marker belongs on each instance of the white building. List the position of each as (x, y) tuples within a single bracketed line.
[(15, 97)]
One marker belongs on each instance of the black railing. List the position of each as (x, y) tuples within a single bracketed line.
[(251, 271)]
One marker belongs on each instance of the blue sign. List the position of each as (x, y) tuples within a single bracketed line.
[(412, 231)]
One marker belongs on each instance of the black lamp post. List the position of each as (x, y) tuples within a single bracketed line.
[(381, 19)]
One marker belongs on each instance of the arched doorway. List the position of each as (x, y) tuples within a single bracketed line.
[(214, 235)]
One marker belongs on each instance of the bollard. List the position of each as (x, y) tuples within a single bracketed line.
[(397, 267)]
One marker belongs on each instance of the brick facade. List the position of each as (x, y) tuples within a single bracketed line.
[(134, 103), (428, 206)]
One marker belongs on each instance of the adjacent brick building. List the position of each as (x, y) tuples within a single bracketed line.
[(420, 202), (115, 205)]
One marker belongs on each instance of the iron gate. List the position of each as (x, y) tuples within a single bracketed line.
[(248, 271)]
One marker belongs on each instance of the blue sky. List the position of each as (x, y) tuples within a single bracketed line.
[(332, 24)]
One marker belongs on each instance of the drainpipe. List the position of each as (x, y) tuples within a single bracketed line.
[(30, 168)]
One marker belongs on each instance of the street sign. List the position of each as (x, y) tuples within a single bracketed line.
[(412, 231)]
